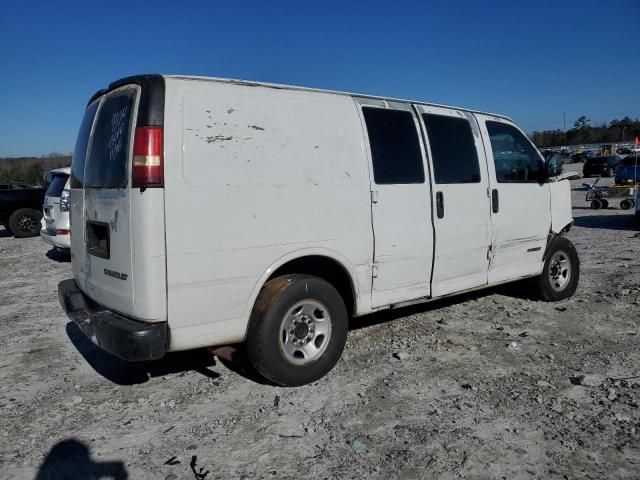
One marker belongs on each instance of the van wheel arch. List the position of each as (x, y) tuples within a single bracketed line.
[(325, 268)]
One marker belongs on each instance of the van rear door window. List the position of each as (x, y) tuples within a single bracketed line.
[(107, 164), (395, 147), (453, 150), (82, 141)]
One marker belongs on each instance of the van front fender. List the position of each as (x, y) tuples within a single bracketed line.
[(560, 204)]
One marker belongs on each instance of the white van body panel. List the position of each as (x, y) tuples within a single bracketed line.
[(561, 215), (253, 175)]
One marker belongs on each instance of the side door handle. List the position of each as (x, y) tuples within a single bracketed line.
[(439, 204), (495, 201)]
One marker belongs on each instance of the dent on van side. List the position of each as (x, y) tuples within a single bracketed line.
[(209, 212)]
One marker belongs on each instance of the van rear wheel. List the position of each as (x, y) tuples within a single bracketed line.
[(298, 329), (561, 271)]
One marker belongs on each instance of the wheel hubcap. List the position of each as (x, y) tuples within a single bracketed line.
[(305, 332), (559, 271)]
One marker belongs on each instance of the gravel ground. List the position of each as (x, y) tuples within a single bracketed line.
[(490, 385)]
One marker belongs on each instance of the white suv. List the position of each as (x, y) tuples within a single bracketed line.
[(55, 223)]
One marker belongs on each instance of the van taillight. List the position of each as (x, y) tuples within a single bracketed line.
[(147, 168)]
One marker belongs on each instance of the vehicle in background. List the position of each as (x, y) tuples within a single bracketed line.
[(581, 155), (628, 171), (603, 166), (320, 206), (20, 208), (55, 222)]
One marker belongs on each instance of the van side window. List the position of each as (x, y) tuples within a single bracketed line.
[(453, 150), (395, 147), (516, 160)]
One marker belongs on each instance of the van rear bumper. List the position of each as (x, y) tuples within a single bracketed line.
[(123, 337)]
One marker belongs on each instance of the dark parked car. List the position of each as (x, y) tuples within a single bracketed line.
[(603, 166), (581, 156), (21, 208), (629, 170)]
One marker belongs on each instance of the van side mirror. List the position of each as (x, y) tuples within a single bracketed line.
[(554, 166)]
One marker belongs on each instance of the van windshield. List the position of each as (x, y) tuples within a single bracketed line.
[(57, 185), (108, 157)]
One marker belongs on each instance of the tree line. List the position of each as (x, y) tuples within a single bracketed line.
[(583, 132), (31, 169)]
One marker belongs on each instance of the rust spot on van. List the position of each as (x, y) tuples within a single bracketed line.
[(270, 292), (230, 110), (255, 127)]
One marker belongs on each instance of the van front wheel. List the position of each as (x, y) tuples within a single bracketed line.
[(298, 329), (561, 271)]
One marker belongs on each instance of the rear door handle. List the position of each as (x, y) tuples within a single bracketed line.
[(439, 204), (495, 201)]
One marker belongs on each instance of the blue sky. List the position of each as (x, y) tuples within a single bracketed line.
[(529, 60)]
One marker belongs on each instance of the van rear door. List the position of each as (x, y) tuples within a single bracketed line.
[(118, 249), (106, 217)]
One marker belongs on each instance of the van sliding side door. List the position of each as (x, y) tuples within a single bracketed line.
[(460, 200), (400, 202)]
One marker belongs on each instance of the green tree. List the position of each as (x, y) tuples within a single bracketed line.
[(581, 122)]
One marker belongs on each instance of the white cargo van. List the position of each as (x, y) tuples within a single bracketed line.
[(207, 212)]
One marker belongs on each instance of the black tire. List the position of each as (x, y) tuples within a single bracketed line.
[(266, 342), (626, 204), (551, 289), (596, 204), (605, 203), (25, 222)]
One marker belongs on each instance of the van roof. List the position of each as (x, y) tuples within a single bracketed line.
[(279, 86)]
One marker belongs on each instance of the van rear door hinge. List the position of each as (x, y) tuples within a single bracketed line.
[(374, 196), (489, 252), (374, 271)]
